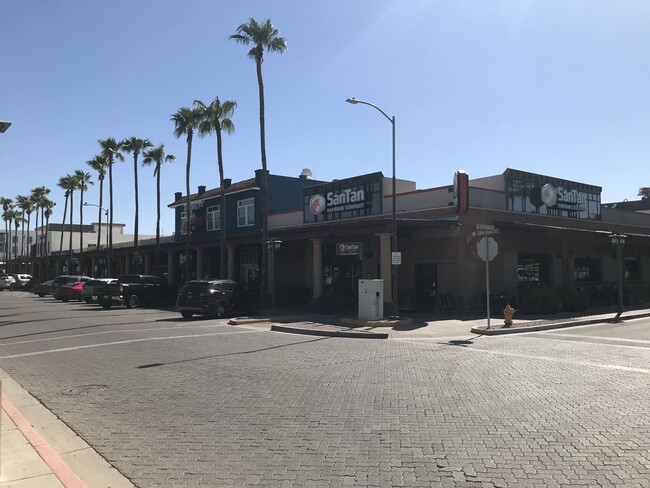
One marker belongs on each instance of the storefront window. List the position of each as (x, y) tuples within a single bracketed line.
[(587, 269), (532, 270), (633, 269)]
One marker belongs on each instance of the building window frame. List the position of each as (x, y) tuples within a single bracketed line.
[(213, 218), (246, 212)]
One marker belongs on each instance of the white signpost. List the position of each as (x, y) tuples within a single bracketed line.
[(487, 249)]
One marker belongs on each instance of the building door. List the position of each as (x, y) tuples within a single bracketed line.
[(426, 284), (249, 267)]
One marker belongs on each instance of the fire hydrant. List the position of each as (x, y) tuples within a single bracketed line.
[(508, 312)]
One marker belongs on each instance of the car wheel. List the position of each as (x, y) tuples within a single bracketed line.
[(187, 315), (106, 305), (88, 300), (220, 310), (12, 287), (132, 301), (41, 295)]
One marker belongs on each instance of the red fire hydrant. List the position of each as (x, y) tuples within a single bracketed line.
[(508, 312)]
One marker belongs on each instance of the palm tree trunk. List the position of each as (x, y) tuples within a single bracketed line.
[(188, 211), (29, 249), (135, 223), (81, 230), (222, 212), (70, 240), (264, 288), (99, 219), (65, 213), (158, 221), (110, 217)]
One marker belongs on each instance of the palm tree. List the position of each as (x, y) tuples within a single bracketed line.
[(261, 36), (24, 203), (83, 180), (9, 216), (17, 221), (75, 186), (157, 156), (6, 203), (135, 146), (644, 192), (186, 120), (99, 164), (216, 117), (111, 152), (39, 195), (67, 183), (48, 205)]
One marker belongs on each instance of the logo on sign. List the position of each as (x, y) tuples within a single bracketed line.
[(348, 249), (317, 204)]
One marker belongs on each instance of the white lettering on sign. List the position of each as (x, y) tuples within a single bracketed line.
[(347, 199)]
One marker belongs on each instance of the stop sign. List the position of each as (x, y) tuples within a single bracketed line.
[(487, 244)]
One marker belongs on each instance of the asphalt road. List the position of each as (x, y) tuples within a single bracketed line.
[(179, 403)]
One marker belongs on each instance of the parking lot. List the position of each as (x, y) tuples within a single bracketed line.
[(203, 403)]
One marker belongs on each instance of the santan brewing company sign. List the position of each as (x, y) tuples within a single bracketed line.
[(341, 201)]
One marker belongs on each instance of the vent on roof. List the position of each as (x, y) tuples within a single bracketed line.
[(307, 174)]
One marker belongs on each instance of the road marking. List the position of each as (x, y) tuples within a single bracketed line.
[(131, 341), (601, 338), (88, 334), (562, 361)]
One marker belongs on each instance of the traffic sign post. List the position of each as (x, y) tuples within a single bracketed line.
[(487, 249)]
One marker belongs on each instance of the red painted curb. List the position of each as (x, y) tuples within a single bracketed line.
[(60, 469)]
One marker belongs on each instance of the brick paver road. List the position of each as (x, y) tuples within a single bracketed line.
[(201, 403)]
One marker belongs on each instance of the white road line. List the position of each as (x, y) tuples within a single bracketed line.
[(602, 338), (131, 341), (562, 361), (58, 338)]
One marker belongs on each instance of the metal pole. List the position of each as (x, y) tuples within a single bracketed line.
[(620, 277), (487, 277), (394, 250)]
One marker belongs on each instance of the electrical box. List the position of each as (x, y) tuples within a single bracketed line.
[(371, 299)]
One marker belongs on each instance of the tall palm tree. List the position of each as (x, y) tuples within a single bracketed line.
[(29, 211), (67, 183), (17, 221), (9, 216), (186, 121), (135, 146), (75, 186), (6, 203), (48, 205), (39, 194), (23, 202), (99, 164), (216, 118), (157, 157), (111, 151), (261, 36), (83, 180)]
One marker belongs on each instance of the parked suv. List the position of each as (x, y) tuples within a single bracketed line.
[(14, 281), (214, 297)]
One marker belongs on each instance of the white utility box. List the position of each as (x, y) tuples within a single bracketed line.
[(371, 299)]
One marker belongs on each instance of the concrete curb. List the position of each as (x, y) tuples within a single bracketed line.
[(377, 323), (329, 330), (552, 325)]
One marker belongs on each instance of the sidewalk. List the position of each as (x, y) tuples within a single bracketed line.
[(37, 450)]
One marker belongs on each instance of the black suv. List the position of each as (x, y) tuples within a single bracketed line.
[(214, 297)]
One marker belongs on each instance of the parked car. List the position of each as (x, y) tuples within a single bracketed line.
[(134, 291), (214, 297), (88, 291), (69, 291), (14, 281), (42, 289), (63, 279)]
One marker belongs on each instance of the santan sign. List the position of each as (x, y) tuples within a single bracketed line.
[(347, 199), (343, 199)]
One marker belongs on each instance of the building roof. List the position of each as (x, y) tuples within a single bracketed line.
[(642, 205), (215, 192)]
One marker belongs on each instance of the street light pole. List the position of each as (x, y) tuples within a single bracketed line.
[(394, 292), (619, 241)]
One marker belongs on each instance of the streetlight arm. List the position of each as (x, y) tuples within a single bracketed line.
[(354, 101)]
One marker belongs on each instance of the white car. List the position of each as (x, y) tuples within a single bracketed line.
[(14, 281)]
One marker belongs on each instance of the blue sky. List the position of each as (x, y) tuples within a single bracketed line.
[(548, 86)]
